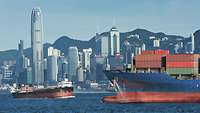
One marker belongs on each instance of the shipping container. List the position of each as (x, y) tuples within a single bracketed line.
[(182, 70), (182, 58), (160, 52), (152, 57), (182, 64), (147, 52), (141, 64)]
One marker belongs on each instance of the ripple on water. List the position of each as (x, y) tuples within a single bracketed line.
[(88, 103)]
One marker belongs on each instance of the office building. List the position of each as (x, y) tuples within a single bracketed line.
[(138, 50), (114, 42), (104, 46), (143, 47), (192, 42), (86, 58), (37, 46), (156, 42), (80, 74), (62, 68), (52, 69), (72, 62), (97, 50), (53, 52)]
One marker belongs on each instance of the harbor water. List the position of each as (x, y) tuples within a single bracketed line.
[(89, 103)]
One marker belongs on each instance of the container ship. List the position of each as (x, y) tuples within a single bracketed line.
[(63, 89), (157, 76)]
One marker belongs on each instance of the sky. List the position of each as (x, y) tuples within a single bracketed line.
[(81, 19)]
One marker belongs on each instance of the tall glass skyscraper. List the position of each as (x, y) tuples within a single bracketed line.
[(114, 44), (37, 46), (73, 62)]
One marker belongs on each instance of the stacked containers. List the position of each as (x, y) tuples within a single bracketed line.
[(150, 59), (182, 64), (159, 51)]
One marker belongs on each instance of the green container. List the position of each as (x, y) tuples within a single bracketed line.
[(182, 70)]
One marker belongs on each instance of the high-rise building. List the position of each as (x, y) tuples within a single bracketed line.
[(192, 41), (86, 58), (176, 47), (80, 74), (143, 47), (52, 69), (156, 42), (21, 47), (20, 59), (65, 69), (54, 65), (97, 50), (72, 62), (138, 50), (37, 46), (23, 69), (26, 62), (53, 52), (1, 77), (188, 47), (104, 46), (114, 42), (127, 52), (45, 70), (62, 68), (7, 72), (50, 51)]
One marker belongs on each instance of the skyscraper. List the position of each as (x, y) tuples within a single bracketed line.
[(192, 41), (20, 59), (114, 45), (104, 46), (86, 58), (21, 47), (37, 46), (156, 43), (72, 62), (52, 69)]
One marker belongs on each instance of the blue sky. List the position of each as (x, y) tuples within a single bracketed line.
[(81, 19)]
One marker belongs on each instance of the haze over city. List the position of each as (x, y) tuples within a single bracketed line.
[(82, 19), (105, 56)]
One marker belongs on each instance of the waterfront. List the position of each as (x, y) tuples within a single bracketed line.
[(88, 103)]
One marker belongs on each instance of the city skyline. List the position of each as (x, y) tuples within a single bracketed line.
[(68, 17)]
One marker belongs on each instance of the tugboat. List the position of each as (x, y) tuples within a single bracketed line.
[(63, 89)]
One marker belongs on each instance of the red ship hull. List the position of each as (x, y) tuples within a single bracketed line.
[(154, 97), (46, 93)]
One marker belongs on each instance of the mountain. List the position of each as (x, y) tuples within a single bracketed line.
[(12, 54), (168, 43), (64, 42), (7, 55)]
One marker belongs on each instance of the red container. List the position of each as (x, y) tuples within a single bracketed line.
[(161, 52), (147, 52), (182, 64), (155, 64), (152, 57), (182, 58)]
